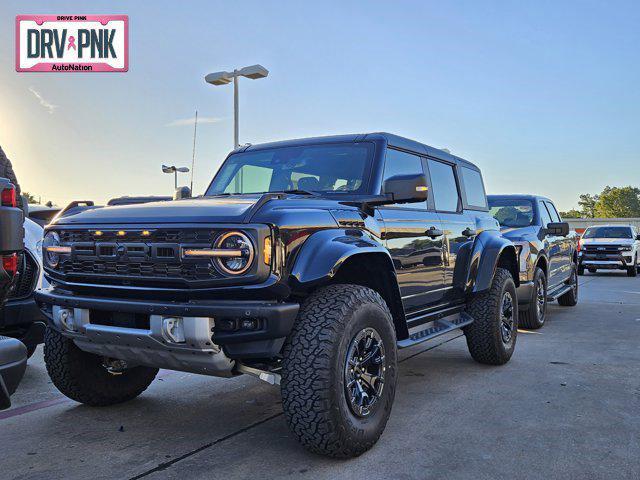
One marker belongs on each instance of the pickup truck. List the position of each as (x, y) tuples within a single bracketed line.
[(548, 257)]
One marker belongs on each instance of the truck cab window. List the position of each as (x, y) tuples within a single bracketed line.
[(445, 187), (474, 188)]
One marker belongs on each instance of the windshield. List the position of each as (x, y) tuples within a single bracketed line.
[(512, 212), (608, 232), (338, 168)]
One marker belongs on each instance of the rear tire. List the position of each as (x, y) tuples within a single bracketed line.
[(581, 270), (318, 371), (533, 317), (570, 299), (82, 377), (491, 338), (593, 270)]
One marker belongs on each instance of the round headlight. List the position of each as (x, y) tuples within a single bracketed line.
[(51, 259), (240, 256)]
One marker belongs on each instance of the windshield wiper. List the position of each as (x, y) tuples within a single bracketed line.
[(297, 191)]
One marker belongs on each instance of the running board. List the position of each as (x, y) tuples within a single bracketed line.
[(558, 293), (436, 328)]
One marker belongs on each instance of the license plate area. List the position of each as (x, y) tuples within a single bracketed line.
[(137, 321)]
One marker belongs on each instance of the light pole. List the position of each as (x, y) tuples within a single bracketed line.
[(173, 169), (253, 72)]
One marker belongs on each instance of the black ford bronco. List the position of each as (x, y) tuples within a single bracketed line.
[(307, 263), (547, 250), (13, 354)]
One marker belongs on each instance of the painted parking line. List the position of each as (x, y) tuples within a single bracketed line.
[(32, 407)]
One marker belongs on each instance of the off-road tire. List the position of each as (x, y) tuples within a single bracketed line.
[(593, 270), (484, 338), (633, 271), (81, 377), (313, 370), (530, 318), (570, 299)]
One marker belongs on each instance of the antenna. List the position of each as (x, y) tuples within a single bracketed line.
[(193, 156)]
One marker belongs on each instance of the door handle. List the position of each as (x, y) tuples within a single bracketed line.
[(434, 232), (467, 232)]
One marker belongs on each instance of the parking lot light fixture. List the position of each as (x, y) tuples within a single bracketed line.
[(173, 169), (254, 72)]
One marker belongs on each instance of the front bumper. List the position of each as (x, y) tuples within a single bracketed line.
[(207, 349), (20, 314), (620, 261)]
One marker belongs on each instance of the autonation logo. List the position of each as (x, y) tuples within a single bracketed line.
[(72, 43)]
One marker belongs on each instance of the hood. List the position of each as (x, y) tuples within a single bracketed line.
[(515, 233), (220, 209), (607, 241), (196, 210)]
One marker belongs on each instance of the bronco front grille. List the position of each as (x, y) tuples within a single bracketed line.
[(126, 257)]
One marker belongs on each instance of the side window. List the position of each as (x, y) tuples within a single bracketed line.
[(444, 186), (545, 218), (402, 163), (474, 188), (553, 212)]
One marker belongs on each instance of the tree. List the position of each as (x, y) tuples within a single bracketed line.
[(573, 213), (31, 199), (587, 205), (618, 202)]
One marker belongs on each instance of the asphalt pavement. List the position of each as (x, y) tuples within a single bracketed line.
[(565, 407)]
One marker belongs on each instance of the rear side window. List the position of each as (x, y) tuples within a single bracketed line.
[(474, 188), (402, 163), (445, 188)]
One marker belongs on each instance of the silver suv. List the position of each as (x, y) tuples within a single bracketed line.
[(610, 247)]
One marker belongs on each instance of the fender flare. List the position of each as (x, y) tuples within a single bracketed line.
[(324, 252), (490, 248)]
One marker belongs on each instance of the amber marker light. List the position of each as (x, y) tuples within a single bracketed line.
[(98, 233), (266, 251), (146, 233), (121, 233)]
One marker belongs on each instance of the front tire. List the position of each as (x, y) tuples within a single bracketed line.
[(633, 271), (82, 377), (533, 317), (339, 371), (491, 337)]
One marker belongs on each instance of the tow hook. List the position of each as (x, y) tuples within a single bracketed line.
[(114, 366)]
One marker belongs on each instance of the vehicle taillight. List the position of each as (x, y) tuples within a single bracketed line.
[(579, 244), (8, 197), (10, 264)]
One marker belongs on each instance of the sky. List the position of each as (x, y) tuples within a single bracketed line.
[(544, 96)]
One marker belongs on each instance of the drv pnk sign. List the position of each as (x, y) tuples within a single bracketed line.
[(72, 43)]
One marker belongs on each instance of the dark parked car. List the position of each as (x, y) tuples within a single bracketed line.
[(13, 354), (547, 253), (307, 263)]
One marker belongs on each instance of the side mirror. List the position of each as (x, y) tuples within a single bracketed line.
[(561, 229), (182, 192), (407, 188)]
